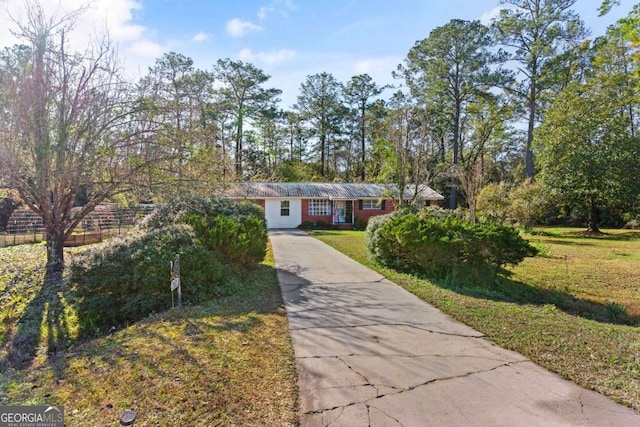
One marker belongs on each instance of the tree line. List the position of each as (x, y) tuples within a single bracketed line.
[(525, 103)]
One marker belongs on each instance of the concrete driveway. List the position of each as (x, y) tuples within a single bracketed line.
[(369, 353)]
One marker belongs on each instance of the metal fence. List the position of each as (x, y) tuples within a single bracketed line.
[(83, 237), (25, 227)]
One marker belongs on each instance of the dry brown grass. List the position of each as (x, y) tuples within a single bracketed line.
[(227, 362)]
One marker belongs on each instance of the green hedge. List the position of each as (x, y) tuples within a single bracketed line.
[(242, 242), (126, 278), (436, 242), (180, 208)]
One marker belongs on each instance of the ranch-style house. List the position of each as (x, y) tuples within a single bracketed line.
[(289, 204)]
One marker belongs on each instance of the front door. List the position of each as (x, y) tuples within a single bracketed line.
[(340, 211)]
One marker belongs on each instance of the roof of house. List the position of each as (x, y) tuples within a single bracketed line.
[(324, 190)]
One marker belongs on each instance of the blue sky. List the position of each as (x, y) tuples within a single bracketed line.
[(288, 39)]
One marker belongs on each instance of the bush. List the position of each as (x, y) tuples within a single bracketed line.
[(525, 205), (242, 241), (360, 224), (182, 207), (127, 278), (7, 206), (493, 201), (438, 243), (531, 204), (316, 225), (378, 248), (631, 220)]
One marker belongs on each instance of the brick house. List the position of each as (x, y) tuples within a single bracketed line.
[(288, 204)]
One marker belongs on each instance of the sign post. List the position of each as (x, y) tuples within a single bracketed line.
[(175, 281)]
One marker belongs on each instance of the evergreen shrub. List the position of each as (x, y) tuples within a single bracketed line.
[(242, 241), (437, 242), (126, 278)]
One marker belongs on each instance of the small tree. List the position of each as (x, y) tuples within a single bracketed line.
[(66, 126), (587, 151)]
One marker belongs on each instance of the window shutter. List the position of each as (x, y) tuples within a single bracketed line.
[(360, 204), (382, 206)]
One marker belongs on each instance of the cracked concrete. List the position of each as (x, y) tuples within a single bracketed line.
[(368, 353)]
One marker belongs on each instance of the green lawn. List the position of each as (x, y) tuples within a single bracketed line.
[(574, 309), (226, 362)]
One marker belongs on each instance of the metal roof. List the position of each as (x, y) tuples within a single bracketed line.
[(322, 190)]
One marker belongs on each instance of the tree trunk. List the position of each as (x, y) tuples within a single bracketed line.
[(472, 209), (323, 141), (593, 217), (528, 155), (363, 111), (456, 147), (239, 144), (55, 257)]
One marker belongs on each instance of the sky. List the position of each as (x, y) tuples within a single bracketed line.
[(288, 39)]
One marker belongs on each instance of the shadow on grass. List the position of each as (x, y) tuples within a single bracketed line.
[(616, 237), (504, 289), (43, 328), (45, 312), (565, 242), (586, 235)]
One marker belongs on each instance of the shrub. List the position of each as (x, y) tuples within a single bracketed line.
[(242, 241), (126, 278), (438, 243), (530, 204), (491, 243), (525, 205), (493, 201), (360, 224), (410, 242), (182, 207), (316, 225), (378, 248), (632, 221), (7, 206)]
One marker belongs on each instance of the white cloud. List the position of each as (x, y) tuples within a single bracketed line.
[(286, 6), (272, 58), (115, 18), (376, 66), (238, 28), (487, 17), (264, 11), (282, 7), (201, 37), (145, 49)]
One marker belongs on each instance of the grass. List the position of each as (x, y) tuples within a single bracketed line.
[(226, 362), (574, 309)]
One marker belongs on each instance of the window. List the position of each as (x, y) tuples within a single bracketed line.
[(371, 205), (319, 207), (284, 208)]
